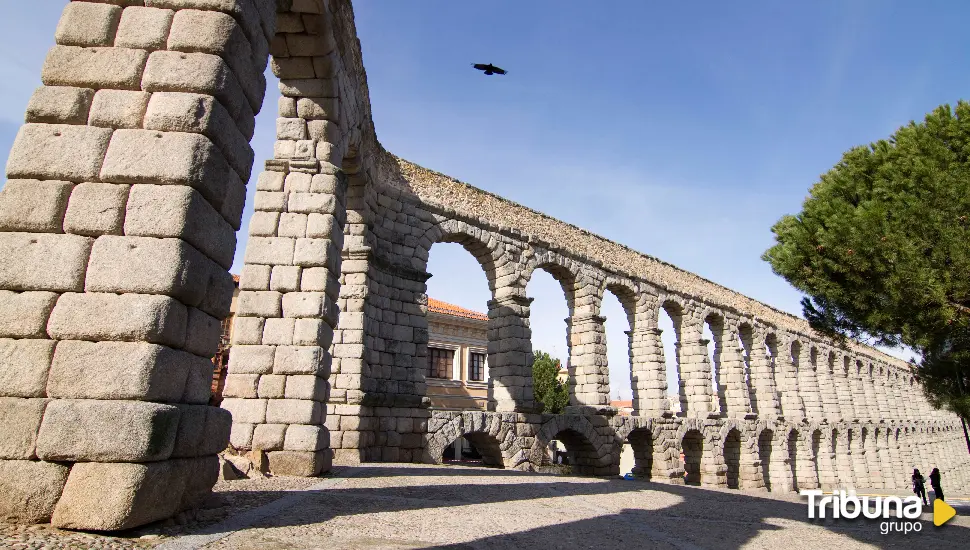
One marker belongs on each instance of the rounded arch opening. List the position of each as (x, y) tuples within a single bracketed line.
[(732, 458), (572, 448), (551, 290), (794, 439), (765, 447), (692, 447), (641, 441), (746, 345), (474, 449)]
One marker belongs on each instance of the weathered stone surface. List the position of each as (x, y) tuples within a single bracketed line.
[(149, 266), (30, 489), (124, 317), (116, 68), (24, 365), (198, 385), (202, 333), (200, 475), (312, 360), (107, 431), (118, 109), (58, 152), (300, 463), (25, 314), (96, 209), (191, 430), (33, 205), (269, 437), (293, 411), (60, 105), (306, 438), (246, 411), (168, 158), (251, 359), (199, 73), (179, 211), (144, 28), (114, 496), (219, 34), (19, 422), (202, 114), (43, 261), (118, 370), (87, 24), (215, 438)]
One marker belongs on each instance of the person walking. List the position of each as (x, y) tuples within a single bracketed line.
[(935, 482), (919, 486)]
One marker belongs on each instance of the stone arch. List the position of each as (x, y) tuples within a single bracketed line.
[(816, 449), (642, 442), (731, 446), (493, 438), (692, 446), (626, 296), (590, 452), (488, 252), (765, 449), (565, 271)]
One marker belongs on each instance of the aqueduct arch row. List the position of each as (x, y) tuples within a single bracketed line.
[(117, 228)]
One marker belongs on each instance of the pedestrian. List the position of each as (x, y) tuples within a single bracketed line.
[(918, 486), (935, 482)]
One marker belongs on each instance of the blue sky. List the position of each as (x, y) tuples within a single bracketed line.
[(683, 130)]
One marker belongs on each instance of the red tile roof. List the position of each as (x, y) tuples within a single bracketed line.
[(235, 278), (445, 308)]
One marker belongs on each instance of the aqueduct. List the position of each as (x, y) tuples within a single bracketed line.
[(125, 189)]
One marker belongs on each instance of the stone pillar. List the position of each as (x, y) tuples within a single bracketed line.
[(860, 464), (872, 401), (736, 391), (277, 387), (843, 391), (882, 397), (695, 369), (828, 475), (805, 461), (510, 354), (826, 385), (763, 379), (859, 402), (117, 228), (888, 475), (808, 390), (843, 459), (649, 376), (589, 374), (787, 370), (898, 465), (873, 459)]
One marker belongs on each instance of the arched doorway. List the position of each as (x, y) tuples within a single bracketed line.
[(641, 440), (732, 458), (693, 449), (474, 449), (765, 441)]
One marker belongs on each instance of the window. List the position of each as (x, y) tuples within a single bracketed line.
[(440, 362), (476, 367)]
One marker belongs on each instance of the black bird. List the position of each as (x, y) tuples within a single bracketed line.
[(489, 69)]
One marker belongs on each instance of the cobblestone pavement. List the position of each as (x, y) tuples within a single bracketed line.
[(424, 507)]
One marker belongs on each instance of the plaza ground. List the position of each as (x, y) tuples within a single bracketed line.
[(453, 507)]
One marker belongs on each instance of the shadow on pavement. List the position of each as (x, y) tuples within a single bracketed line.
[(734, 518)]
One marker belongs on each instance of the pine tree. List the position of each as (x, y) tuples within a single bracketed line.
[(550, 394), (882, 249)]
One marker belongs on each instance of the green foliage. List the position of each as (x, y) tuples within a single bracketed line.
[(882, 246), (551, 396)]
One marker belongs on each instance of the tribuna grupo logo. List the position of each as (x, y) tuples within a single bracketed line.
[(899, 514)]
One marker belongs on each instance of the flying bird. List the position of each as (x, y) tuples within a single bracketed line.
[(489, 69)]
